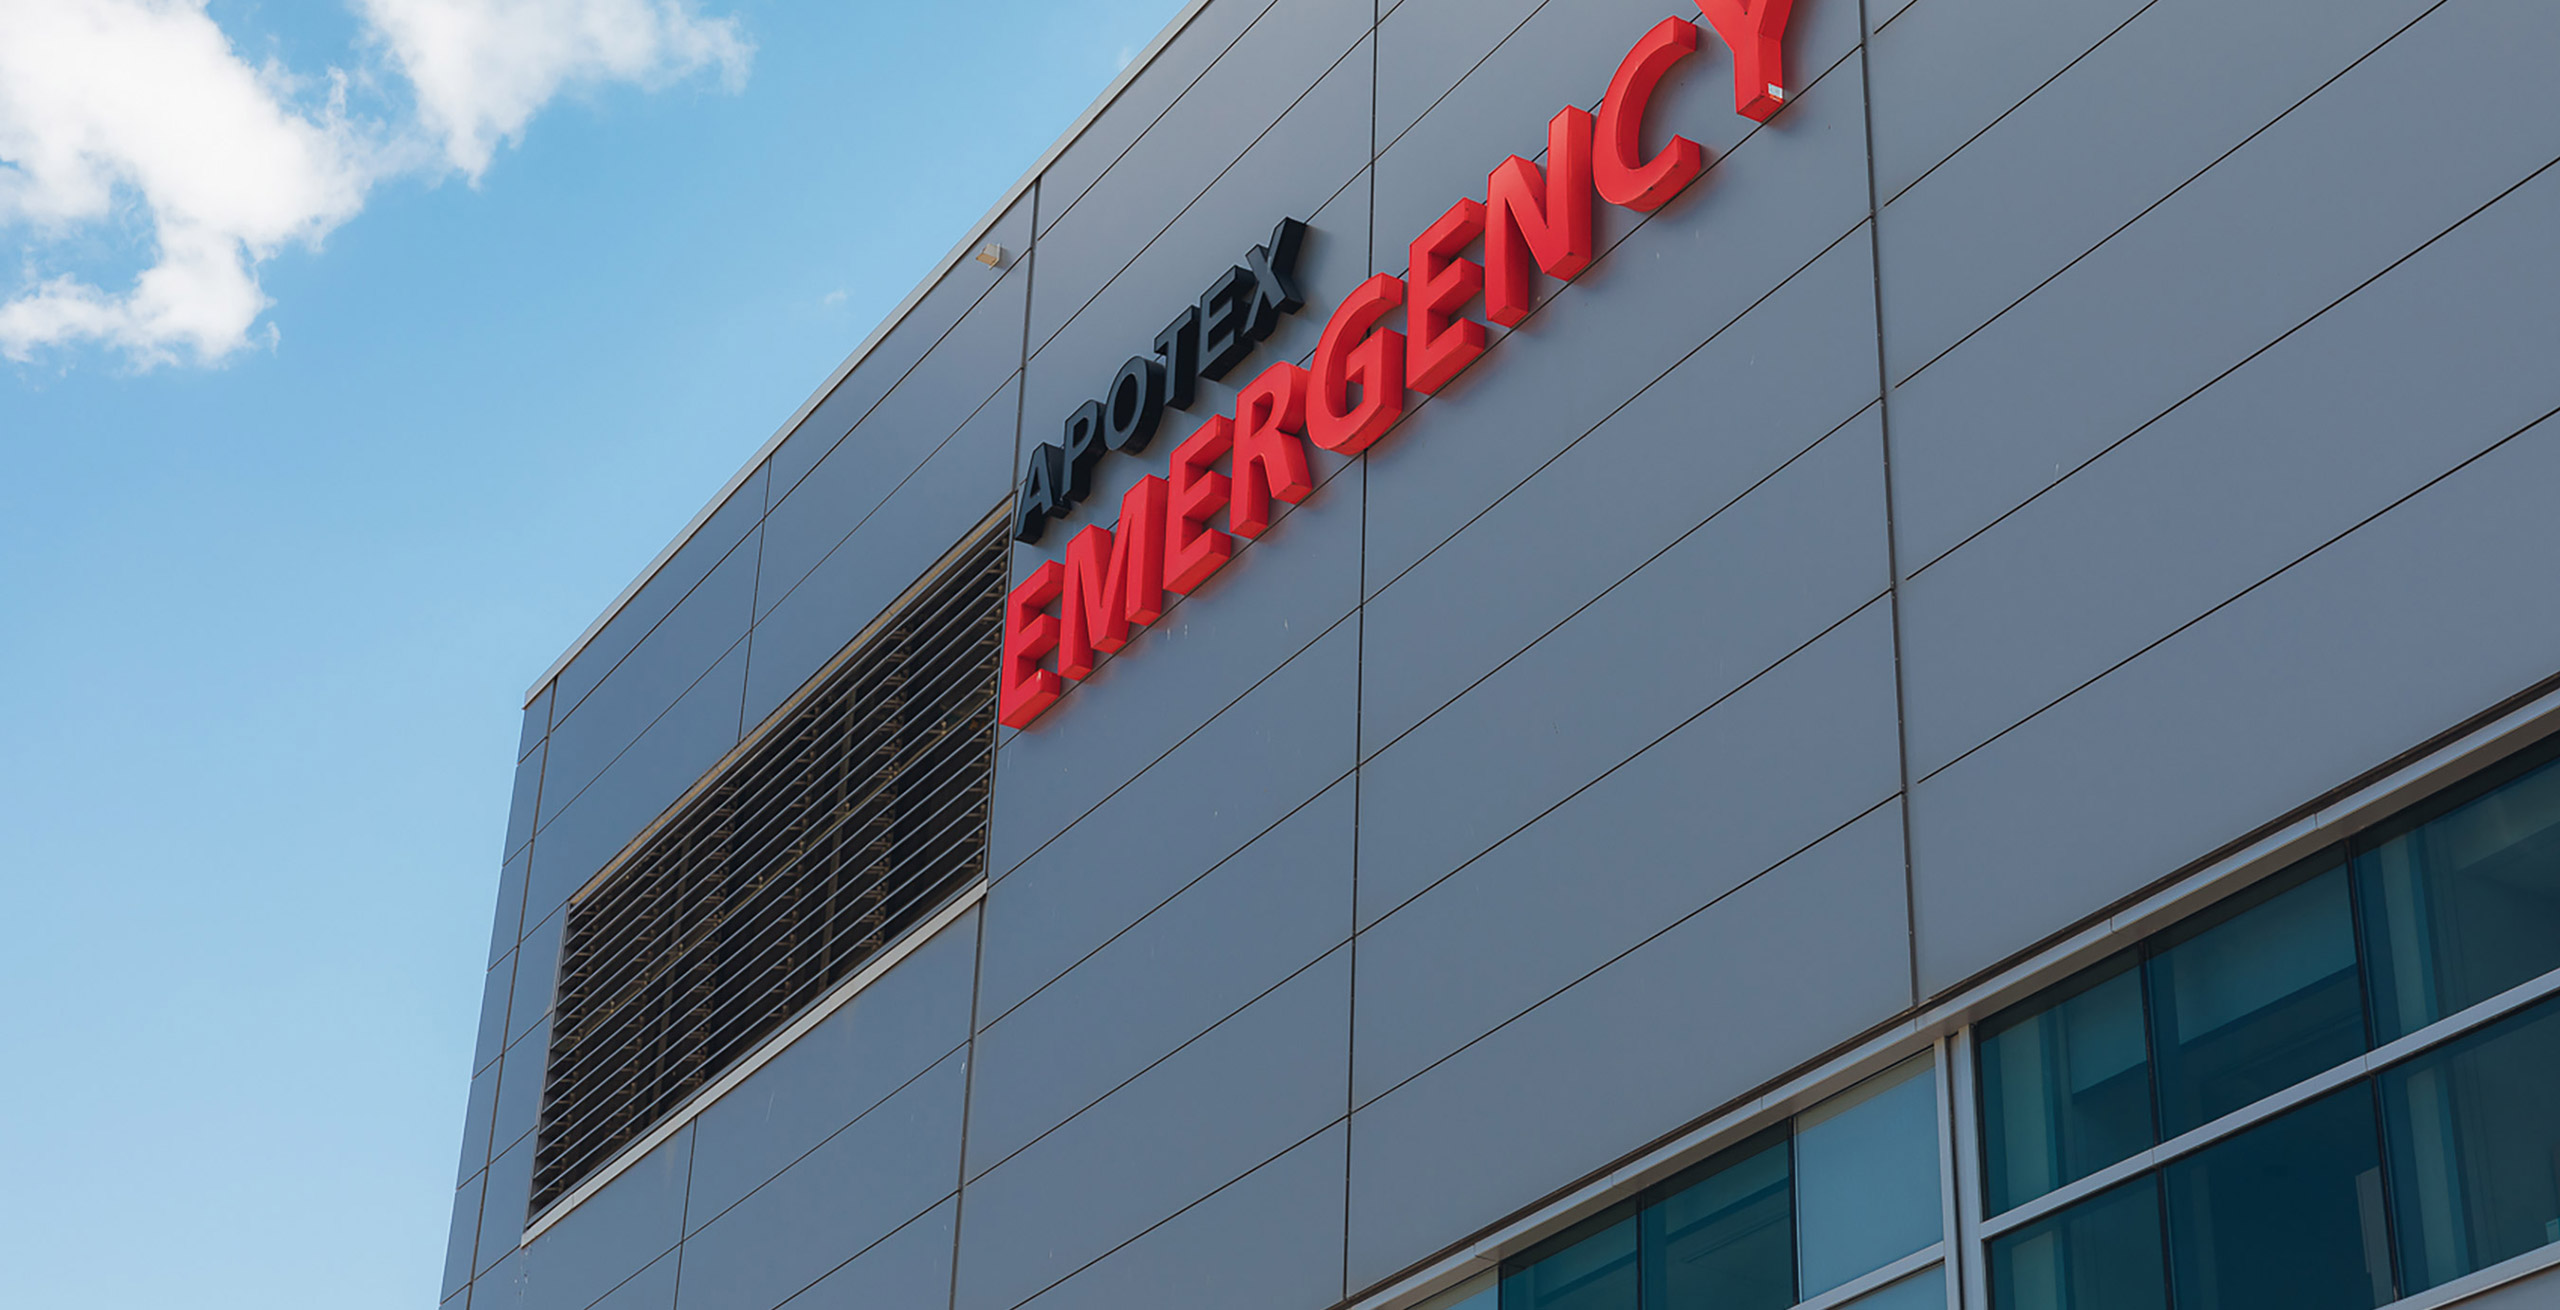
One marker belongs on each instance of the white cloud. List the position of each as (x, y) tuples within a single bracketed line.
[(483, 67), (136, 127)]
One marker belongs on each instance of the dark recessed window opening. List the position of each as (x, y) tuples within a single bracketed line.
[(857, 815)]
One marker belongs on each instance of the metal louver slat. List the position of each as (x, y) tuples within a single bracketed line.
[(851, 819)]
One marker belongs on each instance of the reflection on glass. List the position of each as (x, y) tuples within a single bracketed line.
[(2288, 1213), (2066, 1086), (2463, 901), (2101, 1254), (2474, 1129), (1867, 1177), (2256, 997), (1590, 1267), (1921, 1291), (1725, 1241), (1478, 1293)]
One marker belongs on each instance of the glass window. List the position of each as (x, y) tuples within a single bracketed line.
[(2066, 1086), (1724, 1238), (1867, 1177), (2102, 1254), (2287, 1213), (2474, 1131), (1477, 1293), (1921, 1291), (1589, 1267), (2256, 996), (2462, 899)]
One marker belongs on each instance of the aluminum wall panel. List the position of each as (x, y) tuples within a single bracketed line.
[(1248, 768), (1300, 169), (640, 784), (1276, 604), (537, 720), (1241, 929), (886, 1168), (657, 674), (523, 801), (1271, 1240), (506, 1191), (671, 586), (1254, 1086), (919, 332), (2327, 428), (1425, 51), (1796, 367), (1769, 209), (958, 394), (1636, 1049), (537, 976), (1564, 54), (520, 1076), (893, 546), (653, 1288), (620, 1231), (2258, 244), (477, 1110), (1141, 103), (494, 986), (1770, 771), (508, 924), (1958, 260), (894, 1031), (2399, 630), (1275, 63), (910, 1267), (1945, 70), (461, 1237), (1710, 615)]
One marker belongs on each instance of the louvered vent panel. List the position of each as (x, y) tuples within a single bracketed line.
[(851, 821)]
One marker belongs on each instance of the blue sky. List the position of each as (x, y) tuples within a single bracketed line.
[(321, 434)]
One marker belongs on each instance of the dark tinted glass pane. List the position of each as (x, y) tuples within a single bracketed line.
[(2102, 1254), (2465, 904), (1590, 1268), (2256, 997), (1724, 1239), (2288, 1213), (2066, 1086), (2475, 1148)]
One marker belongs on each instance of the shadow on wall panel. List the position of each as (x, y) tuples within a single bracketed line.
[(1729, 603), (895, 1030), (2258, 244), (613, 1235), (1256, 1085), (1256, 762), (1271, 1240), (906, 344), (886, 1168), (1244, 927), (2269, 702), (1742, 788), (859, 578), (1799, 961), (657, 674), (647, 778), (1286, 52), (1753, 221), (910, 1267), (2327, 428), (1960, 245)]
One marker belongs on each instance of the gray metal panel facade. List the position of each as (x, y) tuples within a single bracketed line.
[(2064, 440)]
